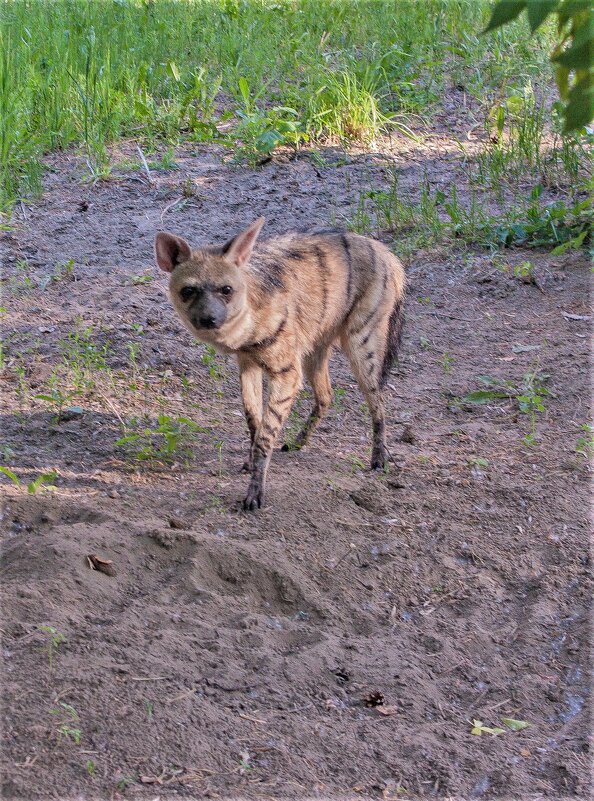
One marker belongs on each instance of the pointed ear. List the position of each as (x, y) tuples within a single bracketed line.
[(239, 249), (170, 250)]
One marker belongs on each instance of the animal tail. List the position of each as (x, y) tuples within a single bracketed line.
[(395, 325)]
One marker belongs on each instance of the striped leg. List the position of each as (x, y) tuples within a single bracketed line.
[(366, 360), (250, 376), (316, 370), (283, 388)]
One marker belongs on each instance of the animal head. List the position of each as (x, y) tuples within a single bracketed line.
[(207, 286)]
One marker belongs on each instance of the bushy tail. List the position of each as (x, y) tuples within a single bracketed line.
[(393, 340)]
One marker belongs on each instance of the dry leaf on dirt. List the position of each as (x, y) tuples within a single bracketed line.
[(387, 710), (513, 724), (102, 565)]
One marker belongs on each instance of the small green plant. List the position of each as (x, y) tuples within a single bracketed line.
[(446, 362), (424, 342), (524, 271), (338, 399), (55, 638), (356, 463), (245, 764), (133, 348), (124, 781), (21, 281), (90, 767), (148, 708), (79, 351), (59, 400), (22, 386), (138, 280), (555, 225), (169, 440), (260, 131), (215, 370), (215, 503), (167, 160), (529, 395), (45, 478), (531, 401), (63, 271), (585, 444), (68, 718), (48, 478), (186, 383), (9, 474)]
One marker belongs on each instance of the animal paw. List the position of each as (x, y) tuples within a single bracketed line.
[(379, 459), (254, 498)]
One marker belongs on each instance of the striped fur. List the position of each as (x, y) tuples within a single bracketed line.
[(279, 306)]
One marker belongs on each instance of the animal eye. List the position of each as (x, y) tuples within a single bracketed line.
[(226, 290), (187, 292)]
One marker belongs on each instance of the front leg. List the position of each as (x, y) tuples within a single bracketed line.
[(283, 387), (250, 377)]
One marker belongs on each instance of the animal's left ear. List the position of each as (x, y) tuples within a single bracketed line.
[(239, 249), (171, 250)]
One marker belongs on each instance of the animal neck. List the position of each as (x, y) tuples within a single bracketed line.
[(239, 330)]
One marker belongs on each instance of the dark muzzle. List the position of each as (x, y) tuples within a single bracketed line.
[(210, 312)]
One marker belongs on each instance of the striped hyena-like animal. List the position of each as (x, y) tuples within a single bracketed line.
[(279, 306)]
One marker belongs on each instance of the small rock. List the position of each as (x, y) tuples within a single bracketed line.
[(176, 522), (71, 413), (408, 436), (113, 494)]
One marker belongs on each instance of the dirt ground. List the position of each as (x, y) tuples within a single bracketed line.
[(340, 642)]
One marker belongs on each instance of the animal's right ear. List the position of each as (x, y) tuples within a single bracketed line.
[(170, 250)]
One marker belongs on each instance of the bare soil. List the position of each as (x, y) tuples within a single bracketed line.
[(241, 655)]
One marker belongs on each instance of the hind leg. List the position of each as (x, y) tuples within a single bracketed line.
[(366, 357), (316, 370)]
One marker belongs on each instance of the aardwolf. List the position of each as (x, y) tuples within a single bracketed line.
[(279, 306)]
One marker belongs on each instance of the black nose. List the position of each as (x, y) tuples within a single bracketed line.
[(208, 322)]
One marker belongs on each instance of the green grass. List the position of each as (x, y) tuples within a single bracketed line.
[(86, 73), (441, 217)]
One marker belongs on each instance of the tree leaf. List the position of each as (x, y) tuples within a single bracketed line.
[(580, 108), (478, 729), (579, 54), (513, 724), (505, 11), (539, 10)]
